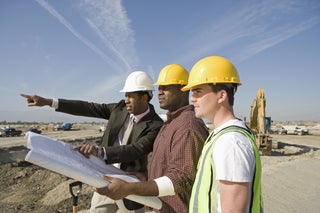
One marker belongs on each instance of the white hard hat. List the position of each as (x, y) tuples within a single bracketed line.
[(138, 81)]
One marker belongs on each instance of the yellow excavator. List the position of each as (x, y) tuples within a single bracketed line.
[(260, 124)]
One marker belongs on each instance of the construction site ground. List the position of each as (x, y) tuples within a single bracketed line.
[(290, 175)]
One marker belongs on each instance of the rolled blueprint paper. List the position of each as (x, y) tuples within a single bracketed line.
[(60, 157)]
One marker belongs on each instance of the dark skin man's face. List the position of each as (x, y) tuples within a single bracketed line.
[(170, 97), (136, 103)]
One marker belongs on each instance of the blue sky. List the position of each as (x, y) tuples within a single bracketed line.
[(84, 49)]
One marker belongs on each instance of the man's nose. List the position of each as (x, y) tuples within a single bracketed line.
[(192, 99), (160, 92)]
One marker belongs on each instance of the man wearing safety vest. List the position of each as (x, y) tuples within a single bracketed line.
[(228, 175)]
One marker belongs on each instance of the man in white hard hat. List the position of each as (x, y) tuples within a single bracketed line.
[(176, 149), (130, 152)]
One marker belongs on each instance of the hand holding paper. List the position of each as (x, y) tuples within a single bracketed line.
[(114, 193), (60, 157)]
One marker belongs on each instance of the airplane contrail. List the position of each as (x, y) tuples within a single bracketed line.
[(89, 44), (108, 19)]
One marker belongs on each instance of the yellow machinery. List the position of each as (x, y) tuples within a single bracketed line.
[(260, 124)]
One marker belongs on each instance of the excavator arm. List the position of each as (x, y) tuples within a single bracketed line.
[(260, 124)]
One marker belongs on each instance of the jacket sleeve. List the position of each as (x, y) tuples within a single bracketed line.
[(87, 109)]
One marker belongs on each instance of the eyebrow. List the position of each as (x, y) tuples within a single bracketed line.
[(196, 89)]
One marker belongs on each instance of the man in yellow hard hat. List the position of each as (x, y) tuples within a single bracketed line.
[(176, 149), (229, 170), (128, 149)]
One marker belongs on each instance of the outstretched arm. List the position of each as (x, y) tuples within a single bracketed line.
[(35, 100)]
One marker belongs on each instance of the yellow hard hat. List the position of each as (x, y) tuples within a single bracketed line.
[(212, 69), (173, 74)]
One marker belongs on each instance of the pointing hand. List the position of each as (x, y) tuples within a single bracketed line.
[(35, 100)]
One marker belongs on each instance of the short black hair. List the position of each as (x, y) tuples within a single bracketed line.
[(229, 88), (141, 93)]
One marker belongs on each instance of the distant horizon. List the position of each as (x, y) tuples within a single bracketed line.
[(55, 117)]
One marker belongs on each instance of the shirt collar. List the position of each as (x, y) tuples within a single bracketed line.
[(174, 114), (231, 122), (137, 118)]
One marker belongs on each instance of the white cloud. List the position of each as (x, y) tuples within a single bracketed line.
[(274, 38), (64, 22), (108, 19), (105, 90), (252, 28)]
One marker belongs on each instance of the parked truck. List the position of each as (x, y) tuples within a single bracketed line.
[(6, 132), (295, 129)]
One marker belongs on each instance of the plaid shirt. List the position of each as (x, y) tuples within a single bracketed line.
[(176, 151)]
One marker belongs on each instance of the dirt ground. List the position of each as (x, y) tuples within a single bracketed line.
[(30, 188), (290, 175)]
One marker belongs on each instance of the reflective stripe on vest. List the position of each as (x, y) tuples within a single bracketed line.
[(204, 192)]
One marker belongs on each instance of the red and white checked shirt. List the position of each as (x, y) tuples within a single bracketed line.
[(176, 151)]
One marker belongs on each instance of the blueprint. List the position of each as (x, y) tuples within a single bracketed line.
[(60, 157)]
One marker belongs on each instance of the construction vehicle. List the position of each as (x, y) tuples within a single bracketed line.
[(260, 124), (295, 129), (64, 126), (10, 132)]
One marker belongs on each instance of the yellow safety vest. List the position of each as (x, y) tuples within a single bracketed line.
[(204, 191)]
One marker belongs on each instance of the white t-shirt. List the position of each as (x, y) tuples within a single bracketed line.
[(233, 156)]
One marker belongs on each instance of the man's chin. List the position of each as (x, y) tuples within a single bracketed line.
[(163, 106), (198, 115)]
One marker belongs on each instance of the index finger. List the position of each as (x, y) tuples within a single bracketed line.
[(25, 95)]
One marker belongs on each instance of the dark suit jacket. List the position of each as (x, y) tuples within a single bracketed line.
[(133, 156)]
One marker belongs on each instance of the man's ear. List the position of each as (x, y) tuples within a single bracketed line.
[(146, 98), (222, 96)]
